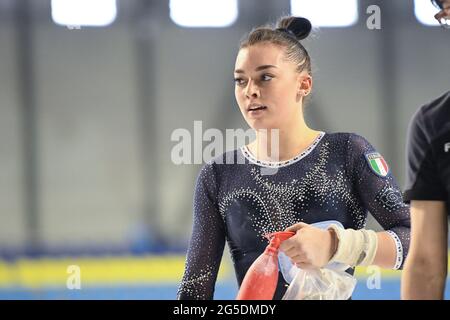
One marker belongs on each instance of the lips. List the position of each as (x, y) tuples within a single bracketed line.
[(256, 107)]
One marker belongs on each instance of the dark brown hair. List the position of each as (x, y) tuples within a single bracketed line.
[(287, 33)]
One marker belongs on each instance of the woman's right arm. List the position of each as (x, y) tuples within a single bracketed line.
[(207, 240)]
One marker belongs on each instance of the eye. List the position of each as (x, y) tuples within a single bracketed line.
[(266, 77), (239, 81)]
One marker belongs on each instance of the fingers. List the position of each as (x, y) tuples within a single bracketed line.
[(300, 258), (293, 251), (290, 244), (296, 227), (285, 246), (293, 244), (305, 266)]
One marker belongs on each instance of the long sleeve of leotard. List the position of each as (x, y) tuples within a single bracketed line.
[(207, 241), (379, 192)]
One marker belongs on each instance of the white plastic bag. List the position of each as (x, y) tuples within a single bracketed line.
[(321, 284), (328, 283)]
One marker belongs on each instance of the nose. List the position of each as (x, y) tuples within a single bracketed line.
[(252, 90)]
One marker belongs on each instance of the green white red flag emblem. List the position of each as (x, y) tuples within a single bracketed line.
[(377, 164)]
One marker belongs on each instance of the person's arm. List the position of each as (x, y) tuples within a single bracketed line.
[(207, 241), (426, 265), (377, 192), (380, 194), (386, 254), (312, 247)]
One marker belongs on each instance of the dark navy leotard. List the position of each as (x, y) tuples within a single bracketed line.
[(239, 199)]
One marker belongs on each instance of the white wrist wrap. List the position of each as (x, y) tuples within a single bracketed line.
[(355, 247)]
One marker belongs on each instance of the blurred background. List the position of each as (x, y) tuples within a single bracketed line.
[(91, 92)]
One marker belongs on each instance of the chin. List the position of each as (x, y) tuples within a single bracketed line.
[(259, 125)]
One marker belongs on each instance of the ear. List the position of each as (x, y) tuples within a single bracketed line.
[(305, 84)]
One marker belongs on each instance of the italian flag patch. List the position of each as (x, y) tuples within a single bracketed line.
[(377, 164)]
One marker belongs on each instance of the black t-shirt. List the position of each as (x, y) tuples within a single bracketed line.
[(339, 177), (428, 153)]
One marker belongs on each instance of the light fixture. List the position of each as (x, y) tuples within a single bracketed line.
[(424, 11), (204, 13), (327, 13), (94, 13)]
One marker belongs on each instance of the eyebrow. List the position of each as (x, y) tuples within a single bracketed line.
[(265, 66)]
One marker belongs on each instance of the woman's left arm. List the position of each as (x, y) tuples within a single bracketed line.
[(386, 253), (311, 247), (380, 194)]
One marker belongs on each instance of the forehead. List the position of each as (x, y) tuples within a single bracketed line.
[(259, 54)]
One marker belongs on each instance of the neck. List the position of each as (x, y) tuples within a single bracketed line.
[(292, 139)]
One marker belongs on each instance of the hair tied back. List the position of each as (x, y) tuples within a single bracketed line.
[(299, 27)]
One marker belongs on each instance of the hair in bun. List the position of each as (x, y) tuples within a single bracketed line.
[(297, 26), (286, 33)]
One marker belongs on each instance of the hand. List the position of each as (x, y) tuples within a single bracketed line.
[(310, 247)]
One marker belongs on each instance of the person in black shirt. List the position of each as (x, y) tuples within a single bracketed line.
[(428, 192)]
